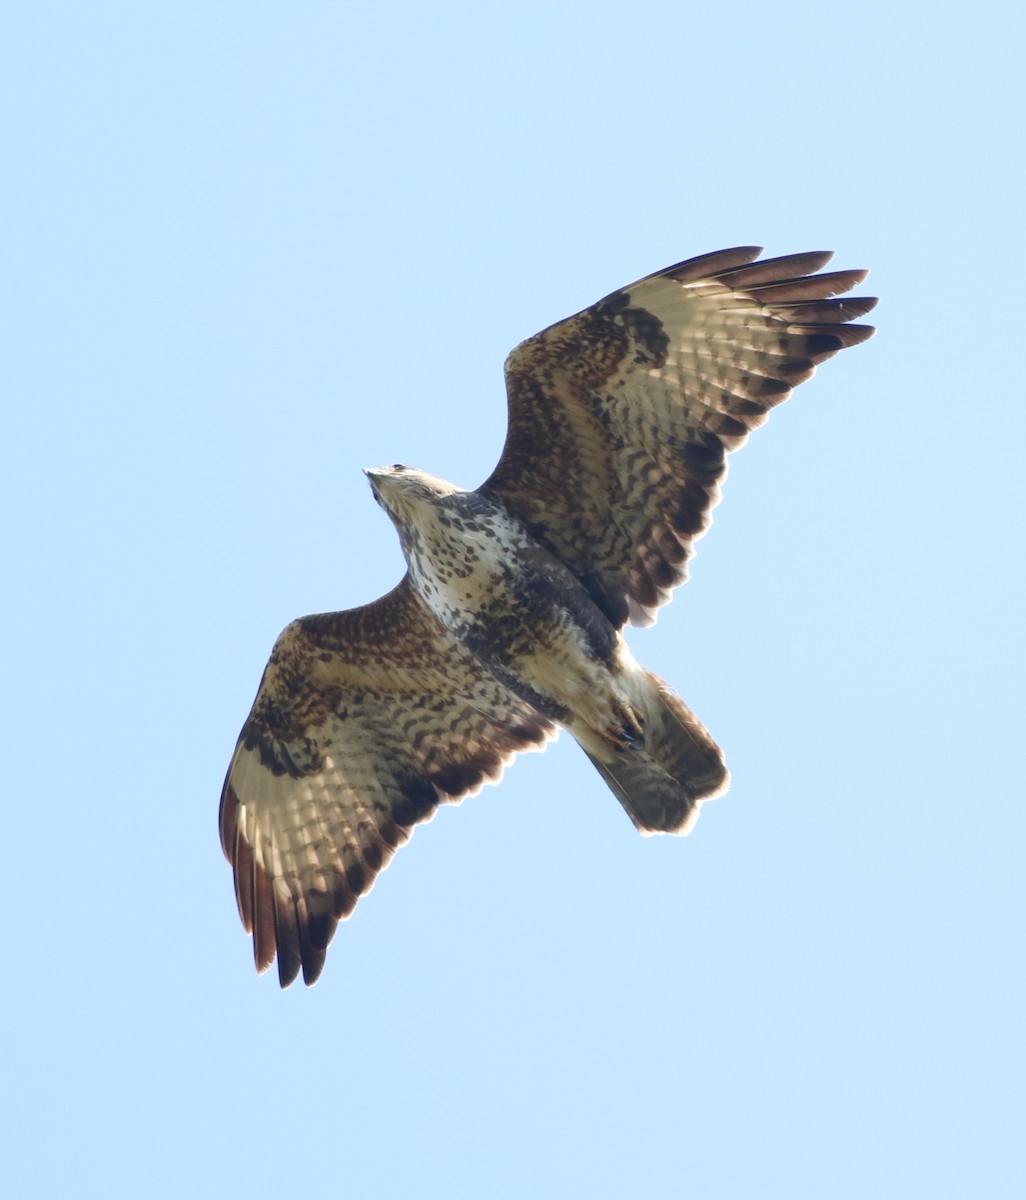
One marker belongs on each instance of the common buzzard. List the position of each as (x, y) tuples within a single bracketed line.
[(507, 622)]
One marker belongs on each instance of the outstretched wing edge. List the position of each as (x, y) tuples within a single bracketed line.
[(621, 417), (365, 721)]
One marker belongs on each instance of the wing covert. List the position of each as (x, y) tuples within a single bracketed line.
[(621, 417), (364, 722)]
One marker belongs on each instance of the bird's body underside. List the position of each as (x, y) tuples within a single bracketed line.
[(532, 624), (508, 622)]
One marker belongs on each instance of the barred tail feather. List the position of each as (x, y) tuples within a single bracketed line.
[(662, 782)]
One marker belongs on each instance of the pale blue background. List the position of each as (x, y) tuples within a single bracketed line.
[(251, 248)]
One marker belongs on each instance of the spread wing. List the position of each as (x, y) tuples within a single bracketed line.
[(621, 417), (364, 722)]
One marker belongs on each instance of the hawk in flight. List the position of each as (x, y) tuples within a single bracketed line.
[(507, 622)]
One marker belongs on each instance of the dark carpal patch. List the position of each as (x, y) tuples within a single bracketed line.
[(648, 341)]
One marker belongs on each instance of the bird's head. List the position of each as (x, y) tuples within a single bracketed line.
[(402, 490)]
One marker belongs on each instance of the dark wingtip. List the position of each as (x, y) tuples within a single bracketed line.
[(773, 270), (702, 266)]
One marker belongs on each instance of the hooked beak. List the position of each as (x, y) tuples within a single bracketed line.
[(379, 479)]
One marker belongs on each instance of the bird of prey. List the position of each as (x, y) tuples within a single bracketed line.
[(508, 620)]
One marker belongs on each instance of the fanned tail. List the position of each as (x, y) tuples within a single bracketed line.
[(662, 782)]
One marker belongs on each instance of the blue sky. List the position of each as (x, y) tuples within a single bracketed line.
[(253, 248)]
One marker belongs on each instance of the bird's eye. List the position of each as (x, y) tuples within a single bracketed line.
[(399, 467)]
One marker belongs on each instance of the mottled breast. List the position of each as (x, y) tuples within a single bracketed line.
[(506, 596)]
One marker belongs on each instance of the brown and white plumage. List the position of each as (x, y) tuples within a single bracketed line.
[(652, 387), (508, 620), (364, 722)]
